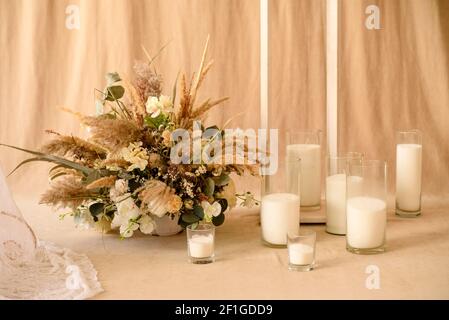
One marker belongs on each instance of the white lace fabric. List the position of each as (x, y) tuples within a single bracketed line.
[(31, 269)]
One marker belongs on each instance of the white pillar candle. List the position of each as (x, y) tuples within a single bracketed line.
[(310, 175), (201, 246), (279, 215), (408, 176), (336, 201), (366, 222), (300, 254)]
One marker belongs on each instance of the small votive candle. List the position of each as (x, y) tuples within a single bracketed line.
[(200, 243), (301, 250)]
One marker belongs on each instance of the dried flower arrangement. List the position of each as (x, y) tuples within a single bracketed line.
[(122, 176)]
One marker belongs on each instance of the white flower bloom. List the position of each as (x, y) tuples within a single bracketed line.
[(249, 201), (166, 103), (126, 210), (156, 113), (127, 230), (120, 188), (116, 221), (136, 155), (147, 224), (211, 210), (201, 170), (155, 105)]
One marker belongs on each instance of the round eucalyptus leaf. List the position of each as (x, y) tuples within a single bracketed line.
[(96, 208), (115, 93), (199, 212), (183, 224), (209, 187), (112, 77), (218, 220), (190, 218), (224, 204)]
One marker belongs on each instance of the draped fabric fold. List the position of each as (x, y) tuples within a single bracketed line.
[(396, 78), (30, 269)]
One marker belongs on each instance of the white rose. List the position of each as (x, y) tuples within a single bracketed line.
[(147, 224), (153, 106), (126, 210)]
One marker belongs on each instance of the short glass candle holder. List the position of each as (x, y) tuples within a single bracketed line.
[(200, 243), (301, 250)]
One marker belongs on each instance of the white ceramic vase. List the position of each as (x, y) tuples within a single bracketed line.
[(166, 226)]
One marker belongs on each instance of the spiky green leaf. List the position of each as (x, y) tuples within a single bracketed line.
[(51, 158)]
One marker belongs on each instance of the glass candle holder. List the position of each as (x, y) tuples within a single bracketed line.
[(306, 145), (301, 250), (280, 204), (408, 173), (200, 243), (336, 191), (366, 206)]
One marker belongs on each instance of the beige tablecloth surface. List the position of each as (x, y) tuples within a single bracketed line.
[(415, 265)]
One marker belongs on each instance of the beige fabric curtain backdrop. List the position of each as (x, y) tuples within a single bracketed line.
[(396, 78), (45, 65), (392, 78)]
